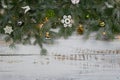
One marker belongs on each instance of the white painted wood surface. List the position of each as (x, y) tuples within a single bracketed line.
[(63, 62)]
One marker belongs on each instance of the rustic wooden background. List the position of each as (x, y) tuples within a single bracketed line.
[(63, 62)]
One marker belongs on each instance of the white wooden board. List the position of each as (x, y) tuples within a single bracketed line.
[(63, 62)]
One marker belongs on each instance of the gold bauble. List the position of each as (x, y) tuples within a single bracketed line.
[(102, 23), (104, 33), (40, 25), (80, 29), (47, 35), (45, 20), (87, 16)]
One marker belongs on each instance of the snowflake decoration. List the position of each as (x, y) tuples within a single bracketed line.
[(8, 29), (26, 8), (67, 21), (108, 5), (75, 1)]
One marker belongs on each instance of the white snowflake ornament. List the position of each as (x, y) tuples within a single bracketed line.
[(8, 29), (75, 1), (26, 8), (3, 4), (67, 21), (108, 5)]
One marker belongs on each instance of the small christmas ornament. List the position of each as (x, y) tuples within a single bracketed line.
[(87, 16), (45, 20), (67, 21), (108, 5), (26, 8), (102, 23), (3, 4), (9, 22), (40, 25), (75, 1), (20, 23), (80, 29), (104, 33), (104, 36), (8, 29), (47, 35)]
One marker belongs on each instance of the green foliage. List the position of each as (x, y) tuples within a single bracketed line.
[(50, 12), (43, 52)]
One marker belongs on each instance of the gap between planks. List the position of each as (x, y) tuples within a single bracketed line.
[(49, 55)]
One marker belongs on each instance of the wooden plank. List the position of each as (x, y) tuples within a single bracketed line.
[(96, 67), (76, 64), (19, 54)]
